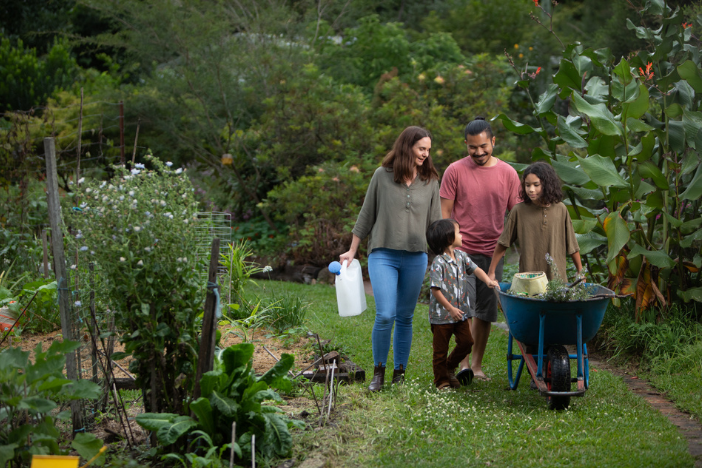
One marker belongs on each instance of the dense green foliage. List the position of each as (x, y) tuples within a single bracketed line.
[(233, 393), (139, 231), (29, 396)]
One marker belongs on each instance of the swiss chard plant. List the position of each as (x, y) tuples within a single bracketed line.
[(30, 393), (233, 393), (627, 152)]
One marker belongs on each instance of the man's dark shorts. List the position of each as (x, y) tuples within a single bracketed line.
[(483, 301)]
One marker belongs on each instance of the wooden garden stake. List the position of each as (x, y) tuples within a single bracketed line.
[(46, 253), (209, 322), (135, 142), (253, 451), (231, 449), (80, 134), (64, 298), (121, 132)]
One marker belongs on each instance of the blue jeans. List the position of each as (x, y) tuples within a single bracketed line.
[(396, 276)]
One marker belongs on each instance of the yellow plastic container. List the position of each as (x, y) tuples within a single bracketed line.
[(54, 461), (530, 283)]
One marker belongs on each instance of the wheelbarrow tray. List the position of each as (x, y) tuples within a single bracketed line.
[(560, 324)]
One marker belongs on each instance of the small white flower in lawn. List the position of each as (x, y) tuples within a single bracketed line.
[(103, 184), (137, 228), (140, 263), (73, 267), (148, 249), (179, 269), (122, 259), (78, 303), (70, 182), (104, 198), (139, 166), (185, 259), (83, 249), (179, 170), (179, 259), (135, 171), (121, 197), (88, 190), (267, 268), (92, 252), (169, 164), (83, 205), (155, 240), (79, 235), (148, 213), (81, 180), (163, 203), (131, 193), (185, 221)]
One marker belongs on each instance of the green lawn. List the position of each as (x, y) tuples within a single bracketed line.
[(482, 425)]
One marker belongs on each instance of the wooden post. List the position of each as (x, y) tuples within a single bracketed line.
[(136, 138), (208, 337), (46, 253), (62, 280), (94, 327), (121, 132), (80, 135)]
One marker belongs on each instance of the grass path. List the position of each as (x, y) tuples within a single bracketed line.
[(483, 424)]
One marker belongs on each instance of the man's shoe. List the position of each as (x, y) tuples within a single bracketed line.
[(378, 378), (398, 375)]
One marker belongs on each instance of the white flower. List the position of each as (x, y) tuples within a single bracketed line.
[(79, 235), (131, 193), (104, 198), (135, 171), (179, 259), (137, 228), (103, 184), (88, 190), (139, 166), (185, 259), (73, 267), (179, 170), (83, 249), (186, 221), (148, 249), (92, 252), (83, 205), (81, 180), (169, 164), (148, 213), (140, 263), (267, 268), (122, 259), (179, 269), (121, 197), (163, 203), (78, 303)]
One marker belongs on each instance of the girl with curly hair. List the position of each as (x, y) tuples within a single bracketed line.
[(541, 226)]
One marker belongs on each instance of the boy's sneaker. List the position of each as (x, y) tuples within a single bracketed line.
[(465, 377)]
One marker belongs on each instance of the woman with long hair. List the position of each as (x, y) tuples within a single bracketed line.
[(401, 202)]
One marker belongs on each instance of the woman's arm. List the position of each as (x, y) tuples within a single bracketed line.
[(349, 256), (496, 257), (455, 312)]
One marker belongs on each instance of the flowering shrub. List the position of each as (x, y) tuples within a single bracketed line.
[(138, 230)]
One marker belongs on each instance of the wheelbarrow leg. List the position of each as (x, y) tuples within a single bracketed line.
[(513, 357), (540, 368), (581, 364)]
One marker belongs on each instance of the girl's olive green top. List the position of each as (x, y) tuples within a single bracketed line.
[(396, 216)]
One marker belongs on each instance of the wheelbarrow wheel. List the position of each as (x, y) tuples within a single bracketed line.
[(558, 376)]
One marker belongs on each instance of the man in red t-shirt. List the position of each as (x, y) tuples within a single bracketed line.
[(477, 191)]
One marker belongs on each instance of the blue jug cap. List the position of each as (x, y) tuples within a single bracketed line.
[(335, 267)]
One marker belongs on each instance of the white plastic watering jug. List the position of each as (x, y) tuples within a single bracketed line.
[(350, 295)]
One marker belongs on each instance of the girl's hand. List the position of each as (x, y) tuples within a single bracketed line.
[(493, 284), (456, 313)]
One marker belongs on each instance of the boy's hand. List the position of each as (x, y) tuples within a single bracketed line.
[(456, 313), (493, 284)]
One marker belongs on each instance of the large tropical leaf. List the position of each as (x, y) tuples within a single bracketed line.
[(654, 257), (516, 127), (237, 356), (694, 188), (276, 376), (547, 99), (277, 437), (569, 134), (689, 72), (692, 124), (155, 421), (638, 107), (168, 434), (590, 241), (599, 115), (602, 171), (649, 170), (617, 234), (567, 78), (202, 410), (87, 446), (694, 294)]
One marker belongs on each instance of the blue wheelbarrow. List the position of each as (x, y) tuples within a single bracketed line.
[(550, 327)]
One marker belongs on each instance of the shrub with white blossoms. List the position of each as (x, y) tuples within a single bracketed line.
[(136, 226)]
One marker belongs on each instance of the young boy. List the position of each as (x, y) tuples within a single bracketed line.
[(449, 304)]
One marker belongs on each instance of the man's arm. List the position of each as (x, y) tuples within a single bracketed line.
[(446, 207)]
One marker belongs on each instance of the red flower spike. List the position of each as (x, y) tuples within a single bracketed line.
[(537, 71), (686, 25), (536, 3), (648, 74)]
